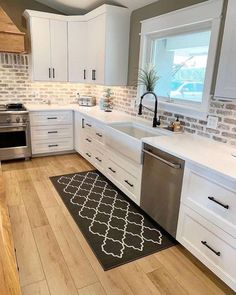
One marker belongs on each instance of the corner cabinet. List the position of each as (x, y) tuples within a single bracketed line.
[(225, 85), (48, 47), (98, 45)]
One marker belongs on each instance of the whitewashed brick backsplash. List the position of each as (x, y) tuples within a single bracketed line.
[(15, 86)]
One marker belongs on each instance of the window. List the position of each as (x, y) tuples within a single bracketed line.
[(180, 61), (181, 46)]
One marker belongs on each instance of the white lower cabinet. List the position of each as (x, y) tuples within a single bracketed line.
[(90, 143), (210, 244), (51, 132), (207, 223)]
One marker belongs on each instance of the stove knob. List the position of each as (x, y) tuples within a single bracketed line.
[(17, 119), (8, 120), (24, 120)]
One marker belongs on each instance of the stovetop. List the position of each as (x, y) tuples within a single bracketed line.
[(12, 107)]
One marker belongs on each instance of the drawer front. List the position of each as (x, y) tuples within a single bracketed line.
[(52, 146), (87, 125), (51, 118), (99, 133), (211, 249), (51, 132), (99, 159), (113, 170), (211, 199), (129, 182)]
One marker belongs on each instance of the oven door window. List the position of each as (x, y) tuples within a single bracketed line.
[(12, 138)]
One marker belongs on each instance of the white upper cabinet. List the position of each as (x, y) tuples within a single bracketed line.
[(59, 50), (98, 49), (91, 48), (48, 47), (225, 85), (77, 57), (41, 57)]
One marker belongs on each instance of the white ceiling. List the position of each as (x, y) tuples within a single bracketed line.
[(83, 6)]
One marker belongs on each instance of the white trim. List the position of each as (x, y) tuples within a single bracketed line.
[(195, 16), (105, 8)]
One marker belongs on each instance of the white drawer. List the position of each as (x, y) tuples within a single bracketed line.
[(99, 159), (212, 246), (51, 118), (99, 133), (130, 183), (52, 146), (87, 125), (213, 200), (51, 132), (126, 182), (113, 170)]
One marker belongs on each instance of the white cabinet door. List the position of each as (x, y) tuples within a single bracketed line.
[(77, 51), (96, 49), (225, 85), (58, 30), (78, 136), (41, 48)]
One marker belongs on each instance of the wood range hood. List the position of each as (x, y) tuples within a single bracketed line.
[(11, 38)]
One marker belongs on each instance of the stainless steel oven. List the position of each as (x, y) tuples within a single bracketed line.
[(14, 133)]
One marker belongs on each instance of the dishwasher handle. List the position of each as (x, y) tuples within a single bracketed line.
[(172, 165)]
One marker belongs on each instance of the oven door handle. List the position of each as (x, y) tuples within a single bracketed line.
[(12, 128), (17, 126)]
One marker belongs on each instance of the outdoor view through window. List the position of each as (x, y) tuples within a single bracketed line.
[(180, 62)]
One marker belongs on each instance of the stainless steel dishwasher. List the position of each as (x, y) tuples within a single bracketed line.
[(161, 187)]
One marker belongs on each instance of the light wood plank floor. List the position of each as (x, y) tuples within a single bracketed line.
[(55, 259)]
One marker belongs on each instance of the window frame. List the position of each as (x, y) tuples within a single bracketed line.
[(194, 18)]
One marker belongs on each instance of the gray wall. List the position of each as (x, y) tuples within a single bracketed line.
[(152, 10), (15, 9)]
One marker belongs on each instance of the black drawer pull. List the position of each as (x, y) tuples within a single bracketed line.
[(209, 247), (49, 73), (99, 160), (53, 73), (89, 125), (88, 155), (52, 118), (52, 132), (93, 75), (99, 134), (52, 145), (131, 185), (84, 74), (113, 171), (217, 202), (88, 140)]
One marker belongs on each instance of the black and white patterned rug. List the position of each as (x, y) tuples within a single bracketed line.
[(115, 228)]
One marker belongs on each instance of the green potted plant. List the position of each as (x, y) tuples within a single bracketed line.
[(147, 78)]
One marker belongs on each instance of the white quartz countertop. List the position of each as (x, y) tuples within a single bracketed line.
[(198, 150)]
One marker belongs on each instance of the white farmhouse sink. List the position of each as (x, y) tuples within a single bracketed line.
[(126, 138)]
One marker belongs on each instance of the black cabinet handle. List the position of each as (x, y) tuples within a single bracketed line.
[(113, 171), (131, 185), (88, 140), (82, 123), (89, 125), (49, 73), (209, 247), (93, 75), (99, 134), (53, 73), (217, 202), (88, 155), (52, 132), (52, 118), (99, 160), (52, 145), (84, 74)]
